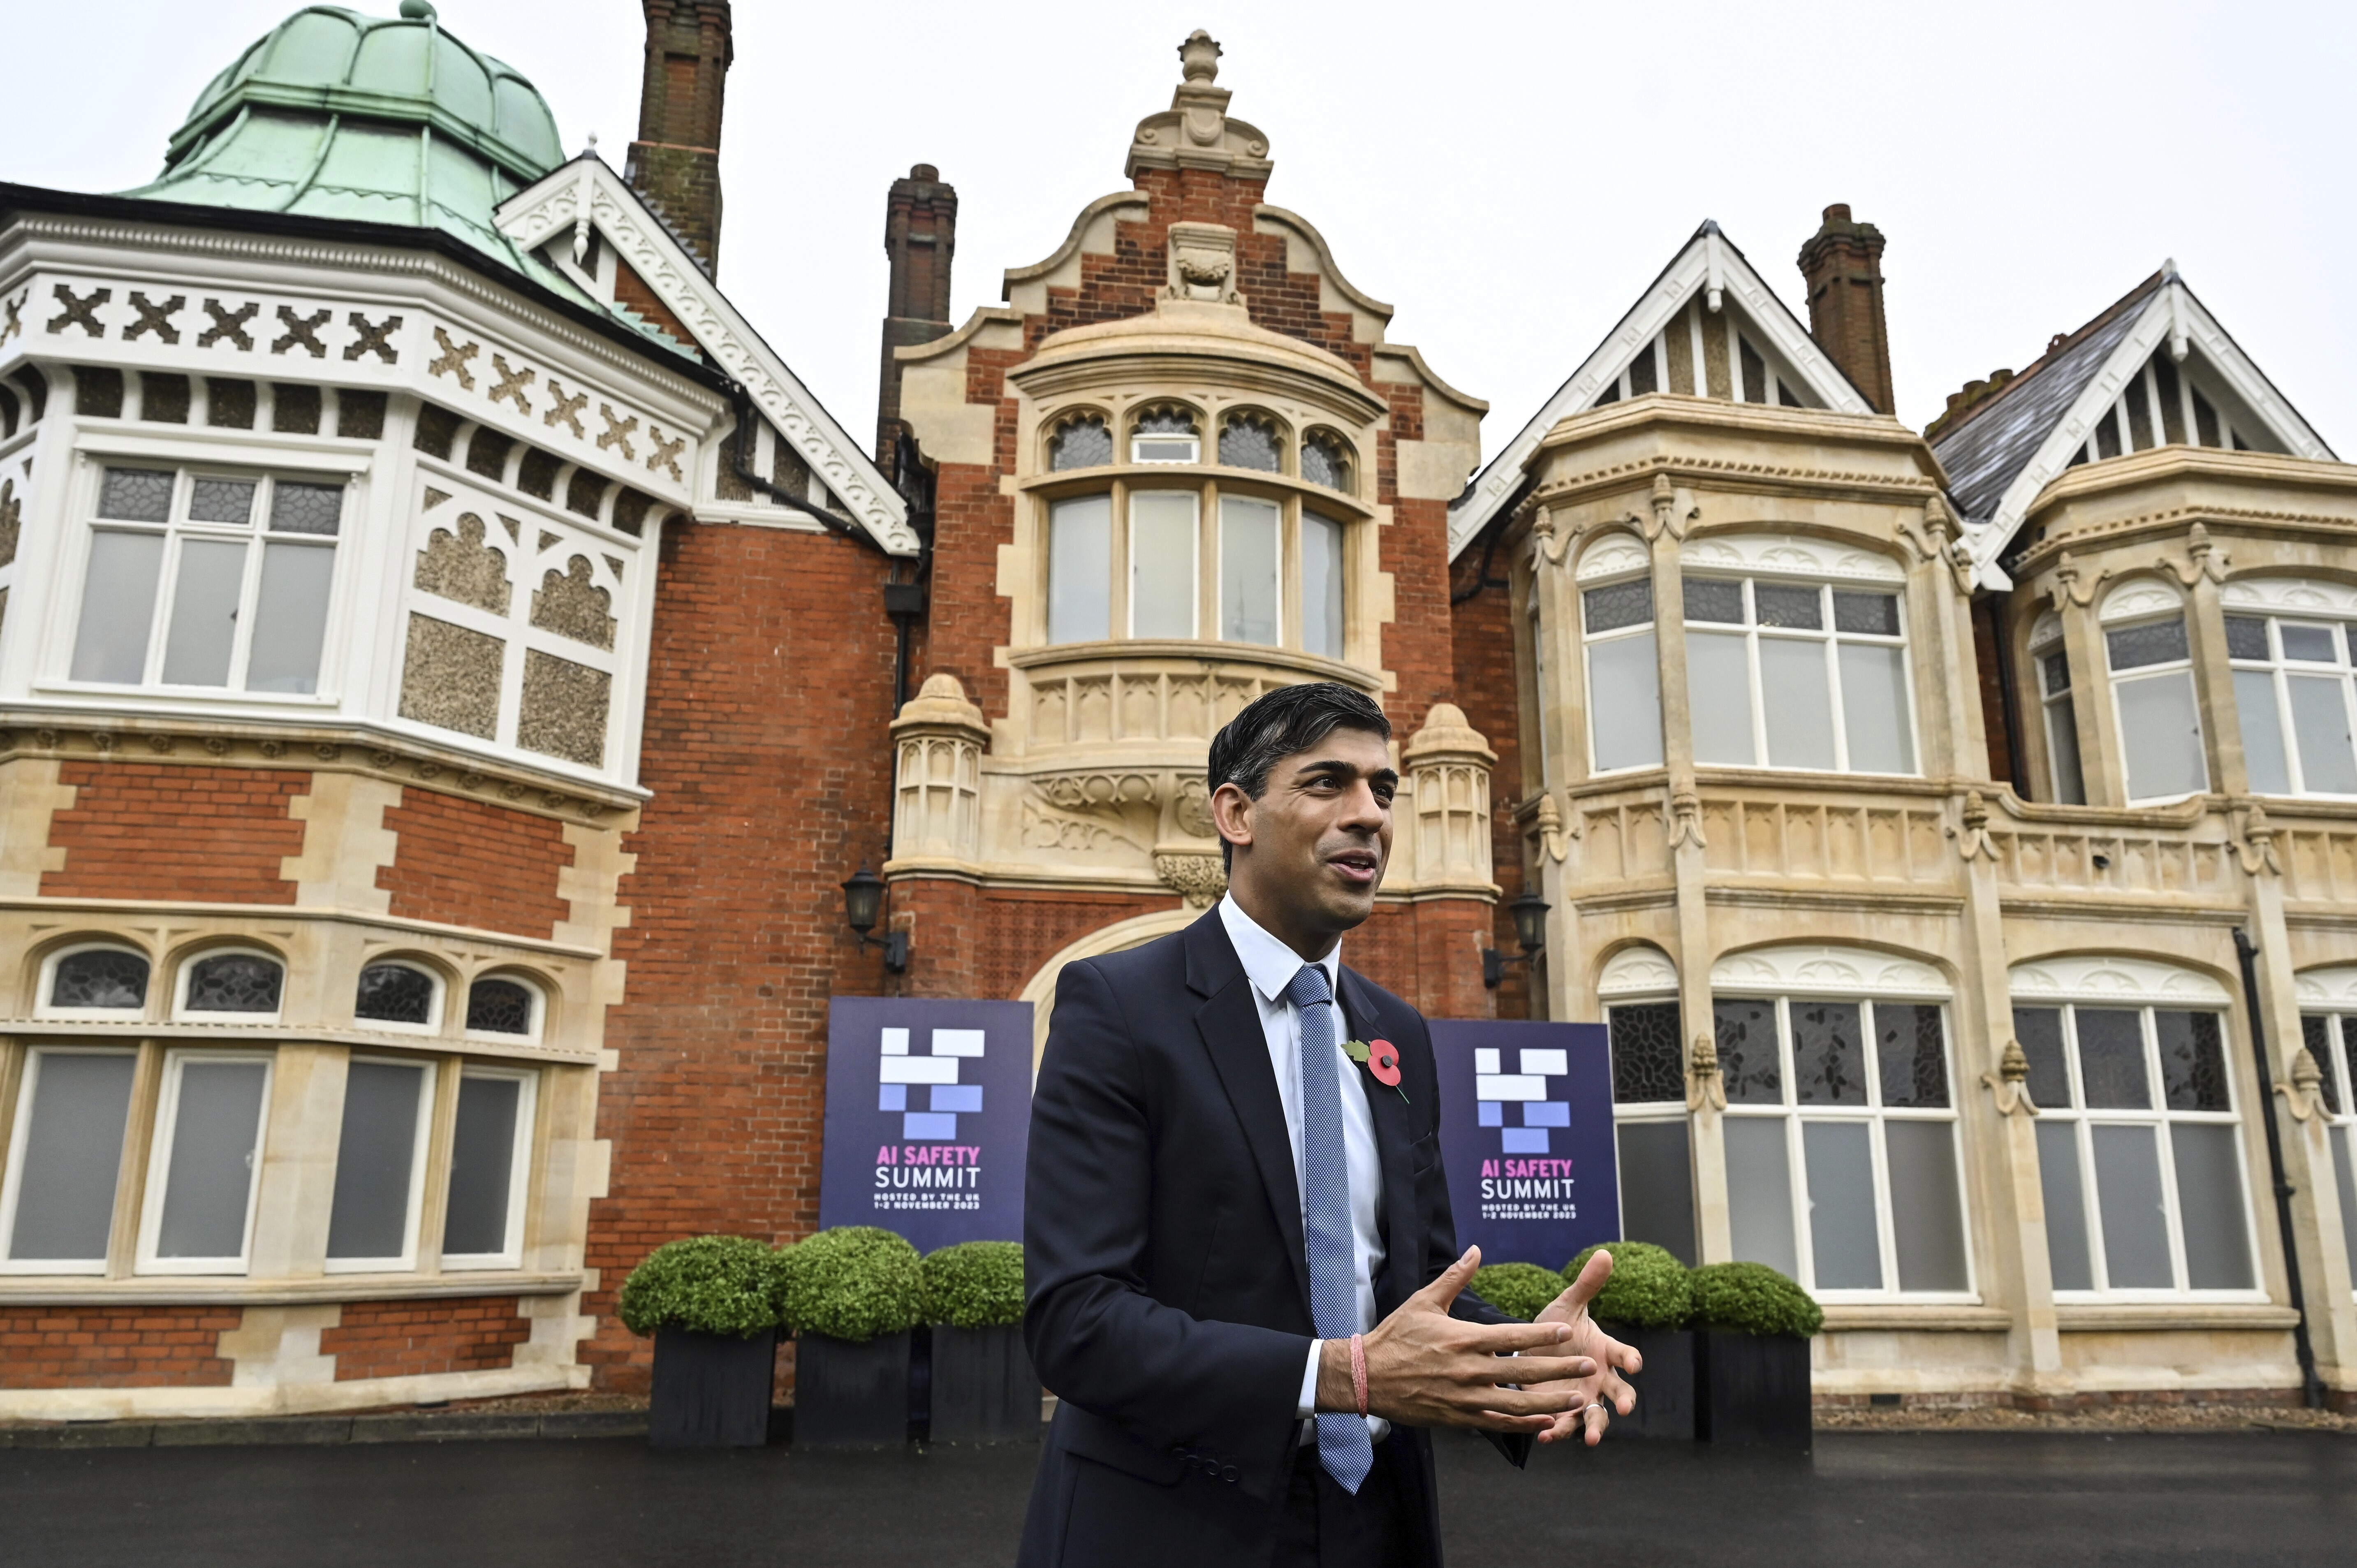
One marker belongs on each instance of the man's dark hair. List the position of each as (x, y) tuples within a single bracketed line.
[(1274, 726)]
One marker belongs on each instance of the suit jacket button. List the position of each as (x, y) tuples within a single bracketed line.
[(1229, 1475)]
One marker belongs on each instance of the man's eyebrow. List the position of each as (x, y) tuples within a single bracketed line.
[(1327, 767)]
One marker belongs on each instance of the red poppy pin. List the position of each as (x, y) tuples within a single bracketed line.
[(1381, 1058)]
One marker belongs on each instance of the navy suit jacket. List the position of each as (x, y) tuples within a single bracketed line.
[(1167, 1283)]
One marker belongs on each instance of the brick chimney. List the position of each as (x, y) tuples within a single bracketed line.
[(675, 162), (921, 238), (1843, 264)]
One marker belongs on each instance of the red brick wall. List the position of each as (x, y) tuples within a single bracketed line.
[(160, 829), (114, 1346), (469, 863), (1483, 633), (770, 692), (407, 1338)]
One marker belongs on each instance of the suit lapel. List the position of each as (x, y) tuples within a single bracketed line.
[(1394, 1133), (1229, 1023)]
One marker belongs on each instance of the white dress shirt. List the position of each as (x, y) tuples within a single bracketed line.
[(1271, 965)]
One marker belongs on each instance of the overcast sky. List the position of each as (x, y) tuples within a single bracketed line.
[(1509, 177)]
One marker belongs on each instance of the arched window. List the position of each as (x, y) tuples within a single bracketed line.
[(2139, 1141), (97, 980), (1639, 989), (1624, 693), (2328, 1020), (1082, 442), (1251, 441), (2061, 709), (243, 984), (1796, 657), (1842, 1163), (2152, 691), (2289, 643), (399, 994), (1166, 434), (501, 1006), (1326, 460)]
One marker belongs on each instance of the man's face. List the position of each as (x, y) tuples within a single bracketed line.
[(1312, 850)]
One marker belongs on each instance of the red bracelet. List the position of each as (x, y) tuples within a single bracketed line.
[(1359, 1369)]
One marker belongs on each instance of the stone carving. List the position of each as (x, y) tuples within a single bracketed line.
[(1546, 826), (570, 603), (1202, 262), (1199, 879), (460, 567), (302, 332), (565, 709), (939, 739), (450, 677), (1972, 841), (568, 411), (1706, 1085), (2008, 1085), (2065, 589), (377, 340), (82, 313), (510, 387), (1674, 510), (617, 432), (1448, 763), (230, 324), (452, 361), (1685, 819), (154, 317), (666, 453), (2202, 558), (2255, 845), (2304, 1096), (1193, 809)]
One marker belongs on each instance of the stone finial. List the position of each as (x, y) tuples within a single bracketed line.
[(2305, 1094), (940, 703), (2009, 1084), (1446, 734), (1195, 131)]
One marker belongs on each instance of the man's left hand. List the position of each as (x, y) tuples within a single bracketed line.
[(1604, 1392)]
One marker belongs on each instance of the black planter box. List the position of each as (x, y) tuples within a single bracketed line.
[(712, 1390), (849, 1395), (1752, 1387), (1665, 1389), (983, 1388)]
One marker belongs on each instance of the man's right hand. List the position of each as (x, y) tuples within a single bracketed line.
[(1427, 1368)]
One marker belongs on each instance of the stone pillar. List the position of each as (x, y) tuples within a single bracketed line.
[(938, 740), (1448, 764)]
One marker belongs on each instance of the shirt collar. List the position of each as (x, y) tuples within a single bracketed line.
[(1268, 962)]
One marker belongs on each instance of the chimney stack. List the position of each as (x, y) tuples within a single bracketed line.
[(1843, 264), (921, 238), (675, 162)]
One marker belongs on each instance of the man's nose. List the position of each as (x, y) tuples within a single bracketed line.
[(1362, 809)]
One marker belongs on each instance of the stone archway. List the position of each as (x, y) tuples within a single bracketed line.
[(1040, 989)]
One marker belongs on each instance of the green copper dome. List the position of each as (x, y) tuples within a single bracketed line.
[(381, 120)]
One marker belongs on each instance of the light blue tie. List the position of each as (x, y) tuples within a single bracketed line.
[(1343, 1446)]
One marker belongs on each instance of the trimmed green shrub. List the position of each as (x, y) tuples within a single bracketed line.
[(1649, 1287), (855, 1282), (975, 1284), (1518, 1290), (712, 1284), (1753, 1298)]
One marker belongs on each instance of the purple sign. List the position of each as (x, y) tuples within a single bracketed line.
[(1526, 1130), (928, 1114)]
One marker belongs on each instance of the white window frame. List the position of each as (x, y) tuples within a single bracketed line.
[(1194, 494), (2161, 1117), (184, 971), (435, 1009), (1609, 565), (2341, 1125), (176, 530), (2140, 603), (421, 1145), (2045, 643), (519, 1173), (19, 1132), (1876, 1116), (1752, 633), (533, 987), (47, 981), (2279, 668), (159, 1164)]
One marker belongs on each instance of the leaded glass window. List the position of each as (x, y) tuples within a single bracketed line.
[(1248, 441), (1648, 1065), (396, 994), (499, 1007), (1082, 444), (234, 983), (1325, 461), (100, 978)]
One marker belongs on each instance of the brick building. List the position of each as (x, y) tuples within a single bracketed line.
[(449, 665)]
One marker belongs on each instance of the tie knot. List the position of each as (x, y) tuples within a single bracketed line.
[(1308, 988)]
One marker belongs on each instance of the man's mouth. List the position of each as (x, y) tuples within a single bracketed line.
[(1358, 866)]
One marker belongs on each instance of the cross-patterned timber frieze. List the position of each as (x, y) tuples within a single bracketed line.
[(66, 737), (349, 258), (2037, 557), (1619, 473), (804, 429)]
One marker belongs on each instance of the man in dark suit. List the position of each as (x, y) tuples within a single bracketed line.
[(1243, 1277)]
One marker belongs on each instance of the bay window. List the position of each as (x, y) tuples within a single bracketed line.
[(1843, 1168), (380, 1165), (2140, 1147), (1624, 693), (207, 580), (2060, 711), (1649, 1119), (206, 1163), (2292, 693), (491, 1146), (1798, 674), (1162, 564), (2152, 693)]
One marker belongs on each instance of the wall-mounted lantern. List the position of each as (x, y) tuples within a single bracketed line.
[(1530, 912), (863, 905)]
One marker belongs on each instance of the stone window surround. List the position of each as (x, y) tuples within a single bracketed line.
[(1290, 438), (298, 1135)]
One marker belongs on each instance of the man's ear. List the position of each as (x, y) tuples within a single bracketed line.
[(1231, 814)]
